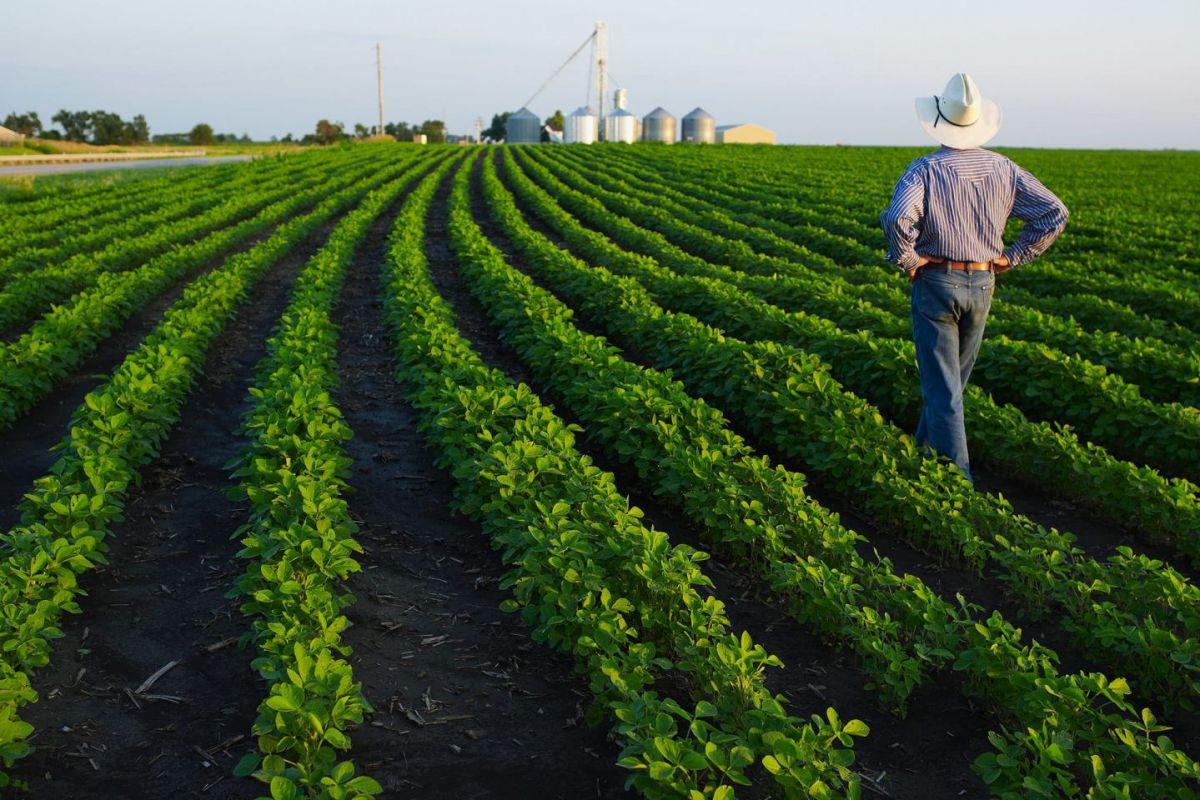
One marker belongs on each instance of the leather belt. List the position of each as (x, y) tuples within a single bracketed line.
[(963, 266)]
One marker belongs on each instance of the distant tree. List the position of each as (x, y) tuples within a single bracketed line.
[(498, 129), (400, 131), (288, 138), (27, 123), (76, 125), (434, 130), (109, 128), (201, 134), (139, 130), (246, 138), (361, 131), (51, 133), (555, 121), (328, 132)]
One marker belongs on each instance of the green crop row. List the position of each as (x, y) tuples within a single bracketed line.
[(68, 205), (1041, 382), (69, 512), (45, 238), (299, 541), (880, 370), (32, 293), (1134, 612), (33, 364), (852, 212), (900, 629), (119, 236), (1165, 373), (106, 218), (1141, 299), (592, 580)]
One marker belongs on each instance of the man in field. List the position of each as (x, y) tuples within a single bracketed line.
[(945, 230)]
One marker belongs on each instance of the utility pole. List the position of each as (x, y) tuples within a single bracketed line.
[(379, 81), (479, 130), (601, 73)]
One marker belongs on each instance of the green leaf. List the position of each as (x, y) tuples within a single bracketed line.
[(283, 789), (856, 727), (246, 765)]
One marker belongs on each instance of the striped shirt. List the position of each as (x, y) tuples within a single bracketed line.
[(954, 204)]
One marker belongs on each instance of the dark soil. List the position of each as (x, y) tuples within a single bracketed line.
[(467, 706), (946, 578), (162, 600), (27, 443), (900, 753), (1097, 537)]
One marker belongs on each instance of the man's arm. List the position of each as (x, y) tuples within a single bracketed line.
[(901, 221), (1044, 215)]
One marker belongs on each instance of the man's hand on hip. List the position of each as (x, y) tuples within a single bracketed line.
[(922, 261), (1001, 264)]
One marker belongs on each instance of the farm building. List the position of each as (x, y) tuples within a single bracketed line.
[(745, 133), (10, 138)]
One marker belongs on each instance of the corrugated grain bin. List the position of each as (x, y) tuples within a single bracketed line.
[(659, 126), (582, 126), (621, 126), (523, 127), (699, 127)]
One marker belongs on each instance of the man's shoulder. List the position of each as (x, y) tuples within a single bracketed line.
[(964, 154), (918, 164), (951, 163)]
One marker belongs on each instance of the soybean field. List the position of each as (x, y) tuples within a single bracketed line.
[(571, 472)]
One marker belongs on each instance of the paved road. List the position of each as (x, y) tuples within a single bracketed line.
[(87, 166)]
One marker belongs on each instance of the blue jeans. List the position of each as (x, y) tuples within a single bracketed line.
[(949, 311)]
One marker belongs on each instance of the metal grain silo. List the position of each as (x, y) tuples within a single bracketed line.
[(621, 99), (658, 126), (581, 126), (523, 127), (621, 126), (699, 127)]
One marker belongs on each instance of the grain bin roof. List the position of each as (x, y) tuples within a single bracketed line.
[(660, 113), (524, 113), (699, 113)]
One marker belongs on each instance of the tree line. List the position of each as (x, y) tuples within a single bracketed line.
[(105, 127), (328, 132), (94, 127)]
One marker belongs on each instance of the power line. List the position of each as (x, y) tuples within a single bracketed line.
[(571, 58)]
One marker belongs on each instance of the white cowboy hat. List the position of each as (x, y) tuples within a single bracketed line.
[(960, 117)]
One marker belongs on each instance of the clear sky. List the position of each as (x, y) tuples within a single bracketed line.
[(1067, 73)]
